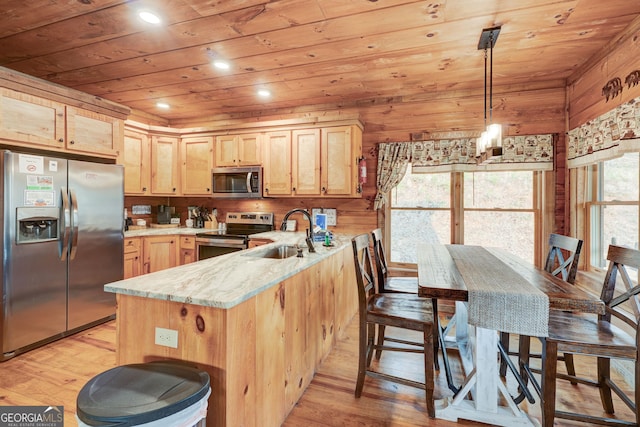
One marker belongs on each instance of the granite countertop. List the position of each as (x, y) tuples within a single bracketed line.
[(230, 279)]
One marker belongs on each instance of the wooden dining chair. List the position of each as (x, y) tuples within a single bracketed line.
[(388, 283), (597, 336), (562, 261), (378, 310)]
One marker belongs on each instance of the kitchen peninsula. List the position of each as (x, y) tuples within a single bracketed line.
[(260, 326)]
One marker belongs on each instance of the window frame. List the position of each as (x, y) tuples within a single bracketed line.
[(539, 208), (594, 213)]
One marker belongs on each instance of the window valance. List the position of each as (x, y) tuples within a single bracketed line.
[(528, 152), (532, 152), (605, 137)]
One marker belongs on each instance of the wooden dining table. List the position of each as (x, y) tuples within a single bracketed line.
[(493, 291)]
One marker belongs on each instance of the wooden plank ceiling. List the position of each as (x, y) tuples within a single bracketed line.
[(385, 59)]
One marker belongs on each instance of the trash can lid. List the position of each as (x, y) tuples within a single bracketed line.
[(135, 394)]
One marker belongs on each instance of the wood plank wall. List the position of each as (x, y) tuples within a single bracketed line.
[(354, 215), (586, 101), (618, 59)]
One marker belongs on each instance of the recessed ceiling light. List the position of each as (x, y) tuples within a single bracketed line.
[(163, 105), (264, 93), (149, 17), (220, 64)]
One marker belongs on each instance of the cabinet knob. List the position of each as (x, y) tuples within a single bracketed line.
[(324, 189), (208, 189), (266, 189), (294, 189), (174, 190), (72, 142), (61, 140), (144, 189)]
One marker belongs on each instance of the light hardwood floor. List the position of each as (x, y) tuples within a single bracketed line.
[(54, 374)]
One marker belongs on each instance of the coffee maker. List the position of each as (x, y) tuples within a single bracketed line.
[(164, 214)]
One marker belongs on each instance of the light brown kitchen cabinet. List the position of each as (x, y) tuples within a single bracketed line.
[(93, 133), (132, 257), (31, 120), (35, 121), (276, 163), (165, 165), (136, 160), (197, 161), (318, 162), (187, 249), (340, 148), (238, 150), (305, 160), (159, 253)]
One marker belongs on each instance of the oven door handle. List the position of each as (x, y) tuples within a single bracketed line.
[(221, 243)]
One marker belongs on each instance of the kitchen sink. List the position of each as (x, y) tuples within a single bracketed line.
[(277, 252)]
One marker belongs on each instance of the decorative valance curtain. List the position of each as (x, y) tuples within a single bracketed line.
[(606, 137), (528, 152)]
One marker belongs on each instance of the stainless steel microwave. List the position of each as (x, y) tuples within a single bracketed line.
[(237, 183)]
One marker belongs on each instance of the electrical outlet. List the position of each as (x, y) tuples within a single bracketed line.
[(167, 337)]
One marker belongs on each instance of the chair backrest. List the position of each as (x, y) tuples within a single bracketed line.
[(621, 302), (380, 257), (563, 257), (364, 269)]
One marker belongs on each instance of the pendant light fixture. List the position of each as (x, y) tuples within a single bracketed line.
[(489, 144)]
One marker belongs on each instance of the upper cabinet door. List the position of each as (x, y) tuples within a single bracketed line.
[(197, 161), (226, 150), (249, 150), (238, 150), (31, 120), (340, 149), (136, 160), (277, 164), (305, 159), (165, 164), (93, 133)]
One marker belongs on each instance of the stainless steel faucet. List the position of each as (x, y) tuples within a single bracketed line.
[(309, 238)]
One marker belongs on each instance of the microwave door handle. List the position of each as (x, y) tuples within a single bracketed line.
[(66, 218), (249, 189), (74, 232)]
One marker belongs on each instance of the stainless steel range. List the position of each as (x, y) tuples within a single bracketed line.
[(239, 226)]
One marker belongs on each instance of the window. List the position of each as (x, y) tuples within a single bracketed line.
[(614, 209), (420, 212), (497, 209)]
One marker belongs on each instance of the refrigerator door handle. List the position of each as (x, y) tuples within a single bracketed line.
[(74, 225), (66, 218)]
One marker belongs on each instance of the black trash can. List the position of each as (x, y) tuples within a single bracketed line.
[(162, 394)]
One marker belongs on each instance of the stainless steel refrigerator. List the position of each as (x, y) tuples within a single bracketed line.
[(62, 228)]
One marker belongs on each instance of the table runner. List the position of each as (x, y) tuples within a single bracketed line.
[(500, 298)]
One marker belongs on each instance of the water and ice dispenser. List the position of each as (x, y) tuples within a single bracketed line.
[(36, 225)]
